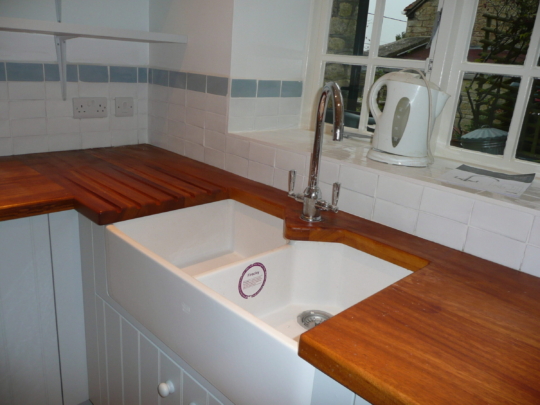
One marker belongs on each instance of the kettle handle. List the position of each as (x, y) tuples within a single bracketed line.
[(373, 97)]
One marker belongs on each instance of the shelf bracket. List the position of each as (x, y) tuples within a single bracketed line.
[(60, 43)]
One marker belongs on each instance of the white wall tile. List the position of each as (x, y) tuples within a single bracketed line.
[(266, 106), (399, 192), (63, 125), (4, 94), (328, 172), (177, 96), (123, 123), (194, 151), (159, 93), (6, 146), (395, 216), (502, 220), (177, 112), (195, 99), (262, 153), (357, 180), (4, 129), (142, 121), (58, 142), (355, 203), (288, 121), (531, 261), (28, 126), (142, 136), (237, 146), (59, 108), (216, 122), (27, 109), (261, 173), (94, 90), (94, 124), (236, 164), (290, 105), (158, 108), (266, 122), (26, 90), (239, 124), (96, 139), (214, 157), (216, 104), (242, 107), (123, 90), (53, 91), (142, 106), (195, 117), (194, 134), (494, 247), (176, 129), (158, 124), (215, 140), (4, 110), (534, 239), (287, 160), (127, 137), (30, 144), (441, 230)]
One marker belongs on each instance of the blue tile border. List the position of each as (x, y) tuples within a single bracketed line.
[(217, 85), (159, 77), (196, 82), (142, 75), (93, 74), (249, 88), (269, 88), (123, 74), (291, 88), (24, 72), (177, 79), (243, 88)]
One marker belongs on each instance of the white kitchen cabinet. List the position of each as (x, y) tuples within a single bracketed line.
[(41, 328)]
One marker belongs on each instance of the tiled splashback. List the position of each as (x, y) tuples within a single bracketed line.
[(264, 104), (34, 118)]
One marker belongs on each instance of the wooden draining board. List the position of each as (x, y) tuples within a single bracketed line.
[(459, 330)]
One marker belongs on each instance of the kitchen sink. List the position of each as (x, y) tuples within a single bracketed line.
[(221, 287)]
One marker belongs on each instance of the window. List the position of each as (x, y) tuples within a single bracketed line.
[(484, 53)]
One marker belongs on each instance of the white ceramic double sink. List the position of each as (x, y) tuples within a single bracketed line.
[(219, 285)]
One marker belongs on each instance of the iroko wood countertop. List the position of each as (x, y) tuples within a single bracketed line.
[(459, 330)]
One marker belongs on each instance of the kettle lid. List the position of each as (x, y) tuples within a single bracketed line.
[(412, 78)]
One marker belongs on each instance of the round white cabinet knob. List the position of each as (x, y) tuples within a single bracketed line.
[(165, 388)]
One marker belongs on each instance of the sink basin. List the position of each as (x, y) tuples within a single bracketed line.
[(304, 276), (221, 287)]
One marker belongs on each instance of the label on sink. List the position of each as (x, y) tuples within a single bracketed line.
[(252, 280)]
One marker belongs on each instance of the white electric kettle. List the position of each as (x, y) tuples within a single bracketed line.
[(402, 135)]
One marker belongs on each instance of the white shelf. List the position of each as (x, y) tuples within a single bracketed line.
[(86, 31)]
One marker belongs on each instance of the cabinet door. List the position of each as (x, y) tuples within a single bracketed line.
[(29, 360)]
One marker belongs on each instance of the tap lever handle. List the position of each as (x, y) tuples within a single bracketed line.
[(335, 196), (292, 181)]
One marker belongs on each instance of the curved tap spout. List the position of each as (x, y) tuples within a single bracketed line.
[(312, 204)]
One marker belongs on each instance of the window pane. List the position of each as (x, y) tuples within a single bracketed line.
[(351, 79), (529, 140), (483, 116), (350, 27), (407, 28), (502, 31)]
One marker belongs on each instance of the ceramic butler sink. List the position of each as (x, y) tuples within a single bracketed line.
[(219, 285)]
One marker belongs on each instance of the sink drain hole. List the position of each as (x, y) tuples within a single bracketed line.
[(312, 318)]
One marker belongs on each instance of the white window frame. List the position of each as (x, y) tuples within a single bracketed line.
[(449, 54)]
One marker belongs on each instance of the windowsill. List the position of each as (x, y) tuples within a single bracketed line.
[(353, 152)]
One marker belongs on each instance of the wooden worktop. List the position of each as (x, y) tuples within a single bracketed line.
[(459, 330)]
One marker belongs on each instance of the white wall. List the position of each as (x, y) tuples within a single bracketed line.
[(270, 39), (208, 25)]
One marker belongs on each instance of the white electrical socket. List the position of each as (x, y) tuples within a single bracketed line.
[(123, 107), (89, 107)]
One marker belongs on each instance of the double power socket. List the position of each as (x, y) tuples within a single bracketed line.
[(96, 107)]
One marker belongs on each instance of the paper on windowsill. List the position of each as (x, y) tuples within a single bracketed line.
[(511, 185)]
